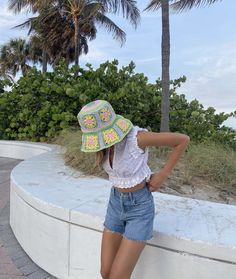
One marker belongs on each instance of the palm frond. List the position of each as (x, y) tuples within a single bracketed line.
[(31, 5), (129, 9), (83, 46), (107, 5), (17, 5), (182, 5), (153, 5), (156, 4), (31, 23), (104, 21), (91, 9)]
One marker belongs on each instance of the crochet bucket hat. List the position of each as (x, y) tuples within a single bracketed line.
[(101, 126)]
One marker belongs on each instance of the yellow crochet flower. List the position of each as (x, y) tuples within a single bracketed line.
[(91, 142), (105, 114), (123, 125), (110, 136), (90, 121)]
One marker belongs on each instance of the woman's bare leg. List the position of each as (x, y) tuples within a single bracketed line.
[(109, 246), (126, 259)]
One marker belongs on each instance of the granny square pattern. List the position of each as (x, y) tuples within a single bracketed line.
[(101, 127)]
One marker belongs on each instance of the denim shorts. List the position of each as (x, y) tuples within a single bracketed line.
[(131, 214)]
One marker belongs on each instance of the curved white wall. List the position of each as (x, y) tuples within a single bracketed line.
[(56, 215)]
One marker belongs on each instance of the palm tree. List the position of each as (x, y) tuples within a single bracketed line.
[(177, 5), (60, 32), (51, 37), (85, 14), (38, 43), (90, 12), (81, 11), (14, 57)]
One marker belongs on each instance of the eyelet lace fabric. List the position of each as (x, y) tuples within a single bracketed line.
[(130, 182), (135, 150), (129, 162)]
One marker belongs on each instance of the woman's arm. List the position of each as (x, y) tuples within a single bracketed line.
[(179, 143)]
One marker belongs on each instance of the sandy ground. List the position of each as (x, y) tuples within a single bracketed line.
[(197, 188)]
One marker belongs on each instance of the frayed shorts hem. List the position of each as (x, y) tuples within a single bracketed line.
[(138, 240), (112, 231), (126, 237)]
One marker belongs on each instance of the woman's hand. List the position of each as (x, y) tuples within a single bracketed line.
[(156, 180)]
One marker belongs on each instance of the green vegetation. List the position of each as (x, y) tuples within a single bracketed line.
[(40, 105), (214, 163), (63, 28), (43, 107)]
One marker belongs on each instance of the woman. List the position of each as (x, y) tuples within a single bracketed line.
[(122, 150)]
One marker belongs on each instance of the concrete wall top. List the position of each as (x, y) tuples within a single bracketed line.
[(185, 224)]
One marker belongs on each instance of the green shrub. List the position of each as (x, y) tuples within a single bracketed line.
[(40, 105)]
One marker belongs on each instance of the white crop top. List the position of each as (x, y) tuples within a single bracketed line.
[(129, 161)]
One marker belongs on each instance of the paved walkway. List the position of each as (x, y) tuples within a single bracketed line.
[(14, 262)]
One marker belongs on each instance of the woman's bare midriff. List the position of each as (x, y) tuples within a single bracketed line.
[(132, 189)]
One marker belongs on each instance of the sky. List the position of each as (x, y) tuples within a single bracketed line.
[(203, 48)]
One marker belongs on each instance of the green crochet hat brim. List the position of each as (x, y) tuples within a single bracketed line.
[(122, 124)]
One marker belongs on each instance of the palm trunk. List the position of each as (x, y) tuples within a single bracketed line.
[(165, 51), (44, 70), (76, 22)]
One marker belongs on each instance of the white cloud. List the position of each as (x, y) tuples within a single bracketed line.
[(212, 78), (94, 54), (7, 21)]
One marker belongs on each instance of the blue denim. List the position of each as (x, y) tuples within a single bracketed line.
[(131, 214)]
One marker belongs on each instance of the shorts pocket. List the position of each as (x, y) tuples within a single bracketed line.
[(143, 199)]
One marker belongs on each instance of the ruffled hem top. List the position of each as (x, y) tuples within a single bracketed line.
[(129, 165)]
